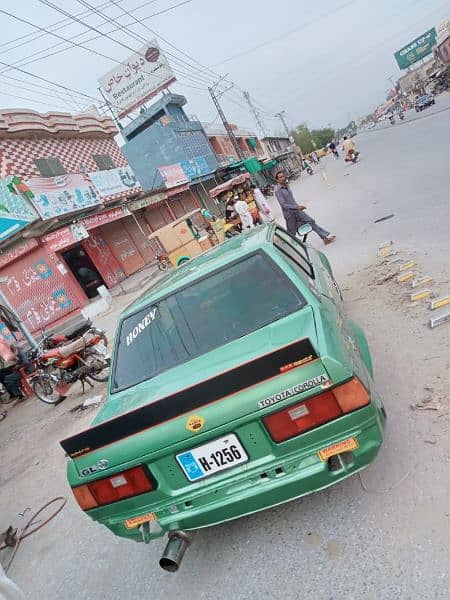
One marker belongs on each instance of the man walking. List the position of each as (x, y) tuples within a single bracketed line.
[(293, 213)]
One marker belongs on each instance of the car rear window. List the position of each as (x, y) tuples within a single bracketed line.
[(217, 309)]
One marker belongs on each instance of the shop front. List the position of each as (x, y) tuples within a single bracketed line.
[(39, 285)]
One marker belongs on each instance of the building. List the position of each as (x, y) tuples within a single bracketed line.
[(224, 150), (168, 150), (442, 47), (415, 80), (280, 149), (69, 221)]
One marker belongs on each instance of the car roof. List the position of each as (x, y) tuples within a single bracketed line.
[(207, 262)]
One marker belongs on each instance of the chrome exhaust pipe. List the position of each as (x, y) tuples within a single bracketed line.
[(175, 549)]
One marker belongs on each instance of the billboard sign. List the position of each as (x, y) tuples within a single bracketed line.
[(135, 81), (417, 49), (15, 210), (62, 195), (115, 181), (196, 167), (173, 175), (103, 218)]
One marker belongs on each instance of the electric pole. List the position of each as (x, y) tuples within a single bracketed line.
[(215, 98), (256, 114), (280, 115)]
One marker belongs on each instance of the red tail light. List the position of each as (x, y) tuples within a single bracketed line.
[(114, 488), (315, 411)]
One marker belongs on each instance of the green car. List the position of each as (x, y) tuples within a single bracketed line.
[(237, 383)]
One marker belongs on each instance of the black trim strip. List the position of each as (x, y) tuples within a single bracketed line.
[(184, 401)]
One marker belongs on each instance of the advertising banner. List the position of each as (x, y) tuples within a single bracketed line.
[(115, 181), (15, 211), (196, 167), (416, 50), (55, 196), (16, 251), (173, 175), (64, 237), (138, 79)]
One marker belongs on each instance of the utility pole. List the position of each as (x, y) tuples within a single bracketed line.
[(256, 114), (215, 98), (280, 115)]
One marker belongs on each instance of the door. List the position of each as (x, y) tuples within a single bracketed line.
[(122, 247), (84, 270)]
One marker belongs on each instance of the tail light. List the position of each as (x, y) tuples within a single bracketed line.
[(315, 411), (111, 489)]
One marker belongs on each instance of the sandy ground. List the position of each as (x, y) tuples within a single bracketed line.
[(388, 541)]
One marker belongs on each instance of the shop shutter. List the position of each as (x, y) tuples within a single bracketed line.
[(177, 206), (42, 289), (157, 217), (143, 244), (106, 264), (122, 246)]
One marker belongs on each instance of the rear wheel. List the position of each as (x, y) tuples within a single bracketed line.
[(98, 366), (44, 388)]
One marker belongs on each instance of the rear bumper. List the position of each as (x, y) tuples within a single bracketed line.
[(257, 487)]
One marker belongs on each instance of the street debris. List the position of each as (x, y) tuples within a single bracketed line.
[(384, 218), (427, 404), (92, 402)]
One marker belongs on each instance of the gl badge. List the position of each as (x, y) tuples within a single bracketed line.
[(195, 423), (100, 466)]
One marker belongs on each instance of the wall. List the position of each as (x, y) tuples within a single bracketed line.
[(17, 155), (444, 51), (41, 288), (161, 145)]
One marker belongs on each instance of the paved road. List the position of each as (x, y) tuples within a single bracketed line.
[(388, 543)]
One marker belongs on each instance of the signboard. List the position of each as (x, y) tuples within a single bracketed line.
[(115, 181), (64, 237), (144, 202), (16, 251), (55, 196), (173, 175), (140, 78), (108, 216), (195, 167), (15, 211), (416, 50)]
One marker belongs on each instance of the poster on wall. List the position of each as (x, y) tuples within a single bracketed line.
[(16, 213), (196, 167), (173, 175), (115, 181), (65, 194), (138, 79)]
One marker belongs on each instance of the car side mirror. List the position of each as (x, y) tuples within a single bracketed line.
[(304, 229)]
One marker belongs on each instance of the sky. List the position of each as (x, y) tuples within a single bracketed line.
[(323, 63)]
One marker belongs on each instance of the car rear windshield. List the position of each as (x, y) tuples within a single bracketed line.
[(217, 309)]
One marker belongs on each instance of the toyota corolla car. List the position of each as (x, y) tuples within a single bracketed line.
[(238, 383)]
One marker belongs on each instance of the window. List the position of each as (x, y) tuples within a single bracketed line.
[(294, 250), (103, 162), (223, 306), (50, 167)]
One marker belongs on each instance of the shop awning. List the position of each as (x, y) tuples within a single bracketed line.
[(253, 165), (229, 185)]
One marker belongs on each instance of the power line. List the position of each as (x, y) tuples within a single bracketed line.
[(61, 24)]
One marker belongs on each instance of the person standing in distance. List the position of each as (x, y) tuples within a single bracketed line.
[(293, 213)]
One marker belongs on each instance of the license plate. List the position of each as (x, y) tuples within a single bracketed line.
[(213, 457), (344, 446)]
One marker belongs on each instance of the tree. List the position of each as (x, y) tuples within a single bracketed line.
[(309, 140)]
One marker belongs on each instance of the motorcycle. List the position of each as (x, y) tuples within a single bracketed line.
[(335, 153), (59, 368), (401, 115), (50, 341), (307, 167), (163, 262), (352, 156), (392, 120)]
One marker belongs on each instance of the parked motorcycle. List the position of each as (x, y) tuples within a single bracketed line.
[(59, 368), (50, 341), (163, 262)]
